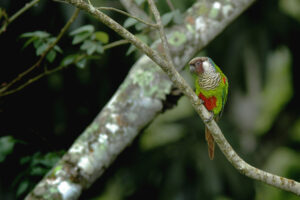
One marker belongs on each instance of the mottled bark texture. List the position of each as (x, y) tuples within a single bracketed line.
[(136, 103)]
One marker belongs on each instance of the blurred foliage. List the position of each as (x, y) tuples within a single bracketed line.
[(277, 89), (36, 165), (258, 53), (290, 7), (41, 41), (91, 41), (287, 164), (6, 146), (295, 131)]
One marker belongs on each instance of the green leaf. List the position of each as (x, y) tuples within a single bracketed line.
[(39, 34), (140, 26), (102, 36), (86, 45), (22, 188), (29, 41), (91, 46), (38, 171), (7, 144), (166, 18), (178, 17), (51, 56), (87, 28), (143, 37), (25, 160), (68, 60), (130, 49), (50, 40), (100, 49), (129, 22), (92, 49), (40, 49), (58, 49), (81, 64), (37, 43), (81, 37)]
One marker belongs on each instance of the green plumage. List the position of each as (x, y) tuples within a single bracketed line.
[(212, 87), (220, 92)]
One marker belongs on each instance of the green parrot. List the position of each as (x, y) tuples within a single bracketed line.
[(212, 87)]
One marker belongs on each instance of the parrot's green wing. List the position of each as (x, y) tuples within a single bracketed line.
[(224, 85)]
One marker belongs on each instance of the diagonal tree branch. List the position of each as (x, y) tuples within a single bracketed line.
[(165, 45), (139, 99), (133, 9), (128, 15), (17, 14)]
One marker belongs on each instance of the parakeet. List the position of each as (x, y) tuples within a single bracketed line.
[(212, 87)]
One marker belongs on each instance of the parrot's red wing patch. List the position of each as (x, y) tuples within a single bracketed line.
[(210, 103), (224, 80)]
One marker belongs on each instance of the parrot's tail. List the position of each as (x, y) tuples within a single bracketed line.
[(210, 142)]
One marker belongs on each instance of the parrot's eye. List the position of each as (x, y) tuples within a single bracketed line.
[(198, 63), (199, 67)]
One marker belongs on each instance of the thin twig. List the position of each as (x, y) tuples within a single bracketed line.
[(170, 4), (114, 44), (17, 14), (48, 72), (135, 10), (128, 15), (37, 64), (231, 155), (36, 78), (161, 32)]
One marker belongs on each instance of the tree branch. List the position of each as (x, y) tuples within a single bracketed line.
[(128, 15), (115, 44), (134, 106), (17, 14), (41, 75), (133, 9), (3, 90), (162, 34), (170, 4)]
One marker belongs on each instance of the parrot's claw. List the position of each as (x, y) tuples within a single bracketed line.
[(201, 102), (210, 118)]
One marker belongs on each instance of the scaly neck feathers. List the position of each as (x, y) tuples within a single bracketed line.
[(209, 80)]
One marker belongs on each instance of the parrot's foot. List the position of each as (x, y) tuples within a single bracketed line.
[(210, 118), (200, 103)]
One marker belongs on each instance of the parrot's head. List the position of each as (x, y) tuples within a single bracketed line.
[(201, 65)]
